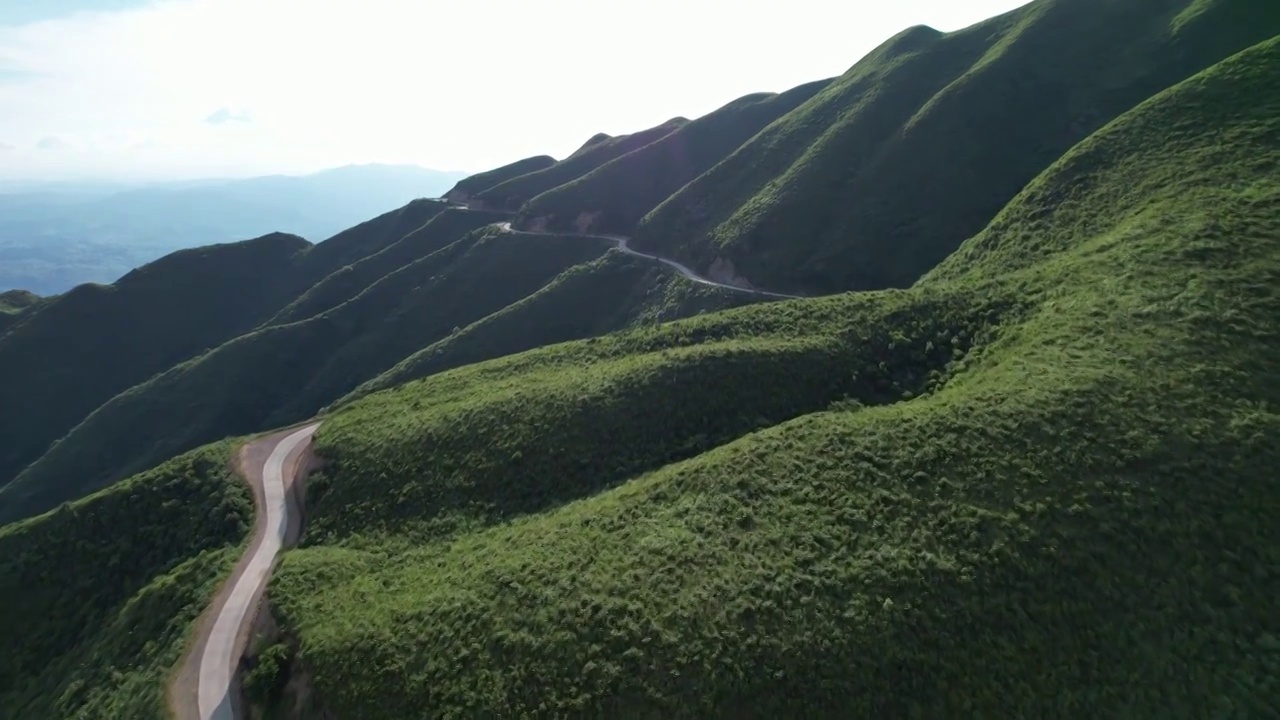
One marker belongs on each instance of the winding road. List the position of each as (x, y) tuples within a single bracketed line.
[(224, 632), (621, 242), (203, 688)]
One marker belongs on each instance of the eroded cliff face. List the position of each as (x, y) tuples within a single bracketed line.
[(722, 271), (587, 221)]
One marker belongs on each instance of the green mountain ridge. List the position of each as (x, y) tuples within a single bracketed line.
[(513, 193), (468, 187), (921, 143), (1007, 523), (620, 192), (1023, 469)]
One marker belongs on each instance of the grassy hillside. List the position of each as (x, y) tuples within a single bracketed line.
[(614, 292), (441, 230), (472, 185), (283, 373), (879, 177), (1040, 483), (13, 303), (99, 595), (510, 195), (166, 313), (357, 243), (79, 349), (617, 194)]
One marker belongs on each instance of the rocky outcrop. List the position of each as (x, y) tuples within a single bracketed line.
[(722, 271), (586, 221)]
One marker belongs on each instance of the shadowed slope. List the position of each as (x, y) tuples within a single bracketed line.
[(920, 144), (992, 494)]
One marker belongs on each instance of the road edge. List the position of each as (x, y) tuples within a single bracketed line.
[(182, 688)]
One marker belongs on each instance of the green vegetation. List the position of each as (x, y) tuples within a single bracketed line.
[(280, 374), (75, 351), (1039, 483), (615, 292), (99, 595), (621, 191), (473, 185), (414, 242), (15, 301), (355, 244), (264, 682), (918, 146), (512, 193), (1035, 479)]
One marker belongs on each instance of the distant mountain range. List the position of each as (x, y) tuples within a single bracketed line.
[(54, 236)]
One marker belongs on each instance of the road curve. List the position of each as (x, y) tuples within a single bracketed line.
[(225, 641), (621, 242)]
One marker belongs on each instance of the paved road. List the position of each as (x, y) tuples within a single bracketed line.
[(621, 242), (218, 663)]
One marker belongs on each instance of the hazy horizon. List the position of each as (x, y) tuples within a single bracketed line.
[(139, 90), (20, 184)]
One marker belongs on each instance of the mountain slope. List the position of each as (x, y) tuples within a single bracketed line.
[(519, 291), (416, 239), (99, 595), (921, 143), (511, 194), (79, 349), (472, 185), (617, 194), (15, 301), (614, 292), (992, 494), (12, 304)]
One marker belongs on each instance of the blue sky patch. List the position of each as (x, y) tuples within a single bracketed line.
[(21, 12)]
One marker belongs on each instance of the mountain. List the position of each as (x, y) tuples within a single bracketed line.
[(13, 303), (923, 142), (310, 325), (54, 238), (1015, 458), (473, 185), (970, 498), (614, 196), (511, 194), (79, 349)]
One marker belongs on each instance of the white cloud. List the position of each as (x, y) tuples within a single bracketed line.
[(6, 147), (225, 115), (50, 142), (465, 85)]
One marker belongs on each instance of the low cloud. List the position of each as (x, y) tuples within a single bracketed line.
[(5, 147), (11, 71), (51, 143), (225, 115)]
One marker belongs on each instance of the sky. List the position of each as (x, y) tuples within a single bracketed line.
[(172, 89)]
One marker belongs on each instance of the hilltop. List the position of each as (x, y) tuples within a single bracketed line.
[(473, 185), (921, 143), (511, 194), (613, 197)]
